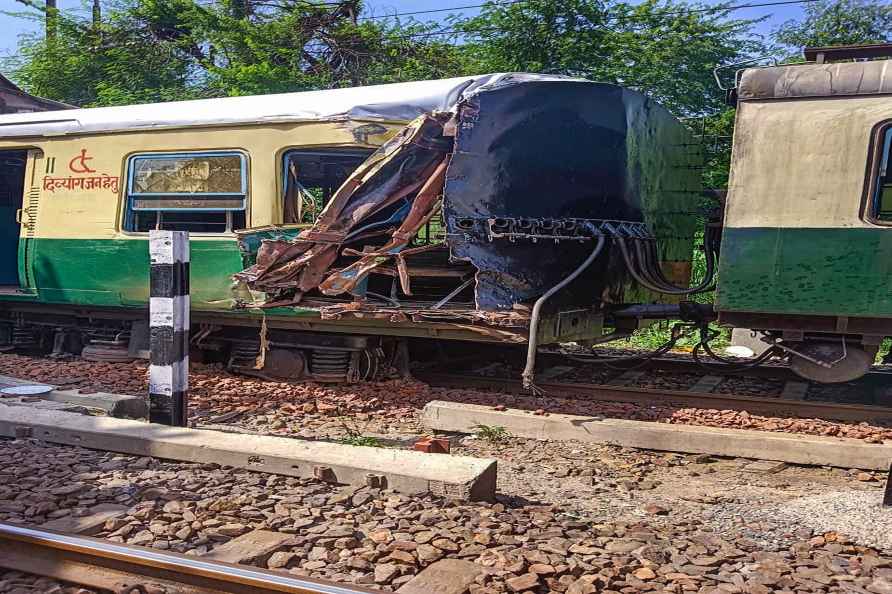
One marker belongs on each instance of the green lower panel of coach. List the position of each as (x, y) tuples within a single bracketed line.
[(833, 271), (115, 272)]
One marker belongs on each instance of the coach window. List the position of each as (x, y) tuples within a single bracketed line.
[(881, 203), (312, 177), (198, 192)]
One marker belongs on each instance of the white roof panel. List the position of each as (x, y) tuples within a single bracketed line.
[(393, 102)]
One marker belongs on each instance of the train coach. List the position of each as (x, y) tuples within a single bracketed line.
[(806, 252), (328, 226)]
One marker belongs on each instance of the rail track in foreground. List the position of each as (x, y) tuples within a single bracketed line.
[(790, 401), (130, 569)]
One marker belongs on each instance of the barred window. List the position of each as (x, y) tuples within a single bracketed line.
[(202, 192)]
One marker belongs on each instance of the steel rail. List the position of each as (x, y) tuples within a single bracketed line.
[(649, 396), (687, 365), (133, 569)]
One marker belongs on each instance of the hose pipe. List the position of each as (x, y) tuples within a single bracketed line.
[(533, 342)]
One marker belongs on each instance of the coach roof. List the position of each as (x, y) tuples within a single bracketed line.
[(794, 81), (399, 102)]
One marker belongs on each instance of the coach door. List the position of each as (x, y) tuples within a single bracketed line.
[(13, 165)]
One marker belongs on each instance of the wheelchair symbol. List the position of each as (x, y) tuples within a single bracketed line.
[(79, 163)]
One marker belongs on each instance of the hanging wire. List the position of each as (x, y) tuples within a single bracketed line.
[(707, 335)]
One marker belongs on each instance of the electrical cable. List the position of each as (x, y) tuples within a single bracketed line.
[(707, 335), (533, 340), (652, 259), (459, 31), (643, 264), (642, 359)]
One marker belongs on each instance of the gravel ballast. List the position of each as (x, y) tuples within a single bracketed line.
[(312, 410), (382, 539), (858, 514)]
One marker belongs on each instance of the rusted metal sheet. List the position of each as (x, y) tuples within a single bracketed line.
[(422, 210), (286, 269), (848, 52)]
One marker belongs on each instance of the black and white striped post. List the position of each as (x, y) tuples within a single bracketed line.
[(169, 327)]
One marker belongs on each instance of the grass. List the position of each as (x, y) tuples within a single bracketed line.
[(658, 334), (491, 433), (361, 440), (354, 437)]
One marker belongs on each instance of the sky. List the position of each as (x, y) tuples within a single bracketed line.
[(16, 26)]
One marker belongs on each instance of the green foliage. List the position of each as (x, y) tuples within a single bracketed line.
[(491, 433), (658, 334), (838, 22), (161, 50), (717, 133), (115, 62), (361, 440), (660, 47)]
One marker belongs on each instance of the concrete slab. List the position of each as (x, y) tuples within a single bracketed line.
[(707, 384), (406, 471), (734, 443), (794, 390), (36, 402), (448, 576), (626, 379), (253, 545), (89, 524), (116, 405), (764, 467)]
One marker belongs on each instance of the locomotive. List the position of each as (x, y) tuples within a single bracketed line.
[(329, 227)]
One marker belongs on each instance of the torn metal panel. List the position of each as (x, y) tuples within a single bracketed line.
[(503, 326), (372, 201), (423, 208)]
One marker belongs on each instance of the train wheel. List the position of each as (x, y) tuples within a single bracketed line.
[(830, 362)]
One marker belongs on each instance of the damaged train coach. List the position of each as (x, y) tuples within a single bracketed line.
[(326, 227)]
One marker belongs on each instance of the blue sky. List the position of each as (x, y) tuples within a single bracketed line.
[(15, 26)]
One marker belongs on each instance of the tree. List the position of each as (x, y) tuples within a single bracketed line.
[(107, 63), (662, 47), (157, 50), (838, 22)]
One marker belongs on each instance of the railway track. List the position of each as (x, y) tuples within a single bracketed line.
[(129, 569), (791, 400)]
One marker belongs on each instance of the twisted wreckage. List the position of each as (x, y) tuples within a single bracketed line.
[(471, 214)]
